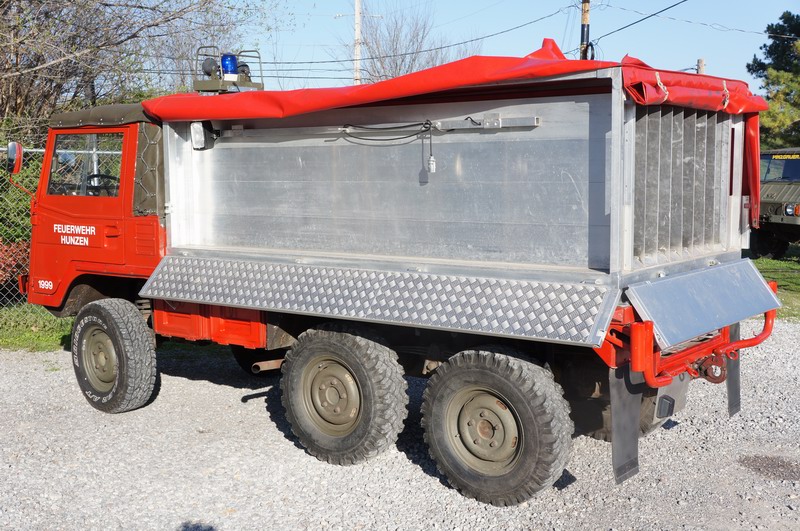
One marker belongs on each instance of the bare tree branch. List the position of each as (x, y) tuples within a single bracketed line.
[(403, 41)]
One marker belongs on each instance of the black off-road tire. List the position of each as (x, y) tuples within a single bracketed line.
[(481, 397), (113, 356), (593, 417), (344, 395), (246, 357), (767, 245)]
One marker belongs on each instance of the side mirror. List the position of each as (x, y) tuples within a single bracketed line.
[(14, 160), (14, 165)]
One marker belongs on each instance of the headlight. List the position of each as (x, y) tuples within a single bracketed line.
[(788, 210)]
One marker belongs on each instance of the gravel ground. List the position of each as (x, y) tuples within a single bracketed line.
[(214, 451)]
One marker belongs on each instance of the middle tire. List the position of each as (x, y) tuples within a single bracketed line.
[(498, 427), (344, 395)]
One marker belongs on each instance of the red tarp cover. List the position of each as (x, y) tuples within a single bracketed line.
[(641, 83), (644, 85)]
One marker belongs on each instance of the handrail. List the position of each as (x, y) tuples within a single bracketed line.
[(769, 322)]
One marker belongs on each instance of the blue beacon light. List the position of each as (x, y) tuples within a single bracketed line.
[(229, 63)]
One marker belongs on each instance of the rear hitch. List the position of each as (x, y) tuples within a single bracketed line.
[(713, 368)]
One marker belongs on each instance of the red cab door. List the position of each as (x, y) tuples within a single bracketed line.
[(78, 215)]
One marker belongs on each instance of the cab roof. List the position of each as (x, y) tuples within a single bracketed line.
[(108, 115)]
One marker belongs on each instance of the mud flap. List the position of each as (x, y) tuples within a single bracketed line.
[(626, 404), (733, 379)]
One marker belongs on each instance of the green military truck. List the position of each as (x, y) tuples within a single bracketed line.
[(780, 203)]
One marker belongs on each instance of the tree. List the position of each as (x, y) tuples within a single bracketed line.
[(781, 123), (780, 72), (63, 55), (781, 53), (402, 41)]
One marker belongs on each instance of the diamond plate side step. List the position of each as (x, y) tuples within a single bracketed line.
[(558, 312)]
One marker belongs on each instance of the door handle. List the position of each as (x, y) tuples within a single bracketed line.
[(112, 231)]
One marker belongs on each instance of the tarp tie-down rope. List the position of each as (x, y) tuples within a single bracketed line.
[(726, 96), (662, 87)]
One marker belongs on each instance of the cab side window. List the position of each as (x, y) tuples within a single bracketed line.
[(86, 165)]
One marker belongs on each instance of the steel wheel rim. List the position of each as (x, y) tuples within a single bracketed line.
[(331, 396), (484, 430), (99, 359)]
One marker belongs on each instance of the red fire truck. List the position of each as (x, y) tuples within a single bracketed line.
[(548, 240)]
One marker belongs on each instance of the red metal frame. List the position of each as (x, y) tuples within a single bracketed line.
[(629, 340), (221, 324)]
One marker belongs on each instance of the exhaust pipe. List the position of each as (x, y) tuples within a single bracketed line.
[(269, 365)]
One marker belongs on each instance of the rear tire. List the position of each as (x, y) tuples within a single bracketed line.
[(497, 427), (344, 395), (113, 356), (593, 417)]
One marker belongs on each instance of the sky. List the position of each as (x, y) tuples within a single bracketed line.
[(725, 33)]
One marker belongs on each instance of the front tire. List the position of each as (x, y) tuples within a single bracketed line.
[(344, 395), (113, 356), (766, 244), (498, 427)]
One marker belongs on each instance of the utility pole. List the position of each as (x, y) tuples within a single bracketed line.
[(585, 29), (357, 45), (701, 66)]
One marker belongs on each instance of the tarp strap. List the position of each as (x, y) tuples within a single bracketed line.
[(662, 87), (752, 166), (726, 96)]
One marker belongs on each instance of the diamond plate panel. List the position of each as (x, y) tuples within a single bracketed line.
[(561, 312)]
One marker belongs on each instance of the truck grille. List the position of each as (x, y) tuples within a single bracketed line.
[(681, 184)]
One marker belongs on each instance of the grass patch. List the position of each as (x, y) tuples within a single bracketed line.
[(786, 272), (30, 327)]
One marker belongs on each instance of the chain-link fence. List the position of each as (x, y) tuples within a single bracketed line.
[(15, 236)]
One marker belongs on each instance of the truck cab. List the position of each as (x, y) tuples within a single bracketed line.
[(780, 202), (98, 212)]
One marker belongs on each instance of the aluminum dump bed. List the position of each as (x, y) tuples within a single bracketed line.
[(523, 207)]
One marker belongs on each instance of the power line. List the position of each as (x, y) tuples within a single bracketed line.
[(715, 26), (435, 49), (651, 15), (469, 14)]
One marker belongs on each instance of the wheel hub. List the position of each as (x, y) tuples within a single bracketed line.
[(333, 397), (99, 359), (487, 428)]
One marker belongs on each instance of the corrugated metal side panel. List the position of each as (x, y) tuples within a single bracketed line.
[(681, 184), (571, 313)]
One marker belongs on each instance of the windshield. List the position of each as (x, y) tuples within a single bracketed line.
[(780, 167)]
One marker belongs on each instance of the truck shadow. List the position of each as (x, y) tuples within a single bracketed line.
[(411, 441), (212, 363)]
